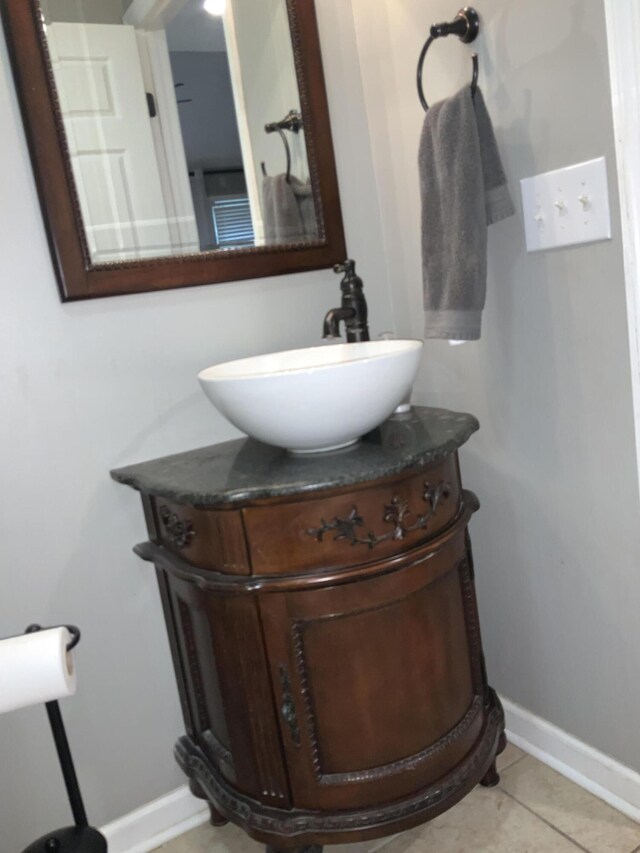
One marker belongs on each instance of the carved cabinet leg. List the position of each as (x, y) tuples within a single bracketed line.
[(491, 778), (312, 848), (216, 818), (502, 744), (196, 790)]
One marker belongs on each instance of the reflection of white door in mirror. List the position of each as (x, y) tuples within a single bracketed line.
[(118, 175)]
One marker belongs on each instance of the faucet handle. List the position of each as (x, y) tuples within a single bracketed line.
[(348, 267)]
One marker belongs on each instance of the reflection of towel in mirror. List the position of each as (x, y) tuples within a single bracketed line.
[(288, 210), (464, 189)]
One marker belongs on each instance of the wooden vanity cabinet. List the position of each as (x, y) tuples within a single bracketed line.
[(327, 651)]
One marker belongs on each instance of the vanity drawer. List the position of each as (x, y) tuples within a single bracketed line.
[(354, 528), (209, 539)]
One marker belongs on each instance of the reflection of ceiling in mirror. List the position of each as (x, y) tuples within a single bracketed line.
[(193, 29), (83, 11)]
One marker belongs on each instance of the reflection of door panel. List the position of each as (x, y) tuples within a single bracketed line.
[(379, 679), (248, 157), (100, 85), (167, 132)]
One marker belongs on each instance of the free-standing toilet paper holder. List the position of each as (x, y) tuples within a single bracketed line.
[(80, 838)]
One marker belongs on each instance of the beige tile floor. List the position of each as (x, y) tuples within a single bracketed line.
[(533, 810)]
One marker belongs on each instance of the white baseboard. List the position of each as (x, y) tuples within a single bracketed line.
[(156, 823), (608, 779), (170, 816)]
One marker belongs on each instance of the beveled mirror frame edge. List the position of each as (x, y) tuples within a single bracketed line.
[(76, 277)]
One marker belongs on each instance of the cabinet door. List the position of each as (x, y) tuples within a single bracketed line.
[(224, 686), (379, 682)]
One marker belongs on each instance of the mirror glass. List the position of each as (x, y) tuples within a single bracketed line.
[(183, 125)]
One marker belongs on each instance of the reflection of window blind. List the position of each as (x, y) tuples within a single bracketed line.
[(232, 221)]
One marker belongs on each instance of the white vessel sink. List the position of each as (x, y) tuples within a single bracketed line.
[(315, 399)]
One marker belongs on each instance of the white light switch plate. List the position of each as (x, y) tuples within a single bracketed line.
[(567, 206)]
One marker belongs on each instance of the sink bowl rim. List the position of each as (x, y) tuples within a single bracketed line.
[(363, 351)]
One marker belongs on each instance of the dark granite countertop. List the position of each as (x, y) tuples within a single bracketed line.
[(238, 472)]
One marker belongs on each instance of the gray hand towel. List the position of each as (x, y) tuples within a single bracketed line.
[(288, 210), (464, 189)]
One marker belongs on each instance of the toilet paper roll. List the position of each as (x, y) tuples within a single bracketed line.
[(35, 668)]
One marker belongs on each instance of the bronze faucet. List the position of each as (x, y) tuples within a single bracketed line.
[(353, 310)]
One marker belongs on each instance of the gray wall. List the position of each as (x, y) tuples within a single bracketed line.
[(557, 539), (90, 386)]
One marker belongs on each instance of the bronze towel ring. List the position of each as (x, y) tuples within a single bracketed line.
[(293, 122), (466, 26)]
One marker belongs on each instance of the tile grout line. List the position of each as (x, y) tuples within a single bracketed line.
[(382, 842), (517, 761), (545, 821)]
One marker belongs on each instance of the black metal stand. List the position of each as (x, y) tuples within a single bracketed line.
[(80, 838), (73, 839)]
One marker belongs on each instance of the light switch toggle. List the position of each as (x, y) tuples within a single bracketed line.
[(561, 207), (585, 201)]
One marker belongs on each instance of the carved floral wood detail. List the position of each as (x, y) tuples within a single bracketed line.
[(179, 531), (397, 512)]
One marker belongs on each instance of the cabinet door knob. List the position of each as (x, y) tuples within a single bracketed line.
[(289, 711), (288, 708)]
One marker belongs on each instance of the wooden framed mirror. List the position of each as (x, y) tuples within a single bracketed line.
[(176, 142)]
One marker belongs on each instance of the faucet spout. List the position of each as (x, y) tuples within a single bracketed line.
[(332, 320)]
